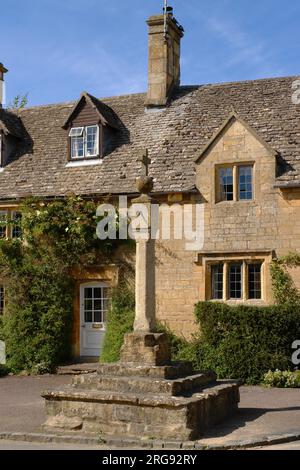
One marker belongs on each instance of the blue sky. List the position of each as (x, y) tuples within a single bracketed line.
[(55, 49)]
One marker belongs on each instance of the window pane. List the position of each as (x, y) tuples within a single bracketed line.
[(91, 141), (98, 317), (254, 279), (88, 304), (235, 281), (16, 227), (88, 293), (3, 224), (88, 317), (226, 184), (245, 183), (98, 292), (76, 132), (77, 147), (1, 300), (97, 304), (217, 281)]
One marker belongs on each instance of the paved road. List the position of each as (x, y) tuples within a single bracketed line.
[(21, 404), (262, 411), (15, 445), (289, 446)]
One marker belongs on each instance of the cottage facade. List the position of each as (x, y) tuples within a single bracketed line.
[(232, 148)]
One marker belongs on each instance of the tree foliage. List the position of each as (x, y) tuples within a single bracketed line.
[(58, 235)]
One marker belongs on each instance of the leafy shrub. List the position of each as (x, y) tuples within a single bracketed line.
[(282, 379), (60, 235), (120, 321), (284, 289), (245, 342), (181, 349)]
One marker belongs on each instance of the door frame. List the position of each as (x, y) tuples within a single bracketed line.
[(82, 286)]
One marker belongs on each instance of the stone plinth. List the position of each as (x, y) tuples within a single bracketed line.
[(152, 398), (153, 348)]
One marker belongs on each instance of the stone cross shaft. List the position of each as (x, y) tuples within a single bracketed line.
[(145, 255), (145, 276)]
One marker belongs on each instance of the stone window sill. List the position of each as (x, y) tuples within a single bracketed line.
[(74, 164)]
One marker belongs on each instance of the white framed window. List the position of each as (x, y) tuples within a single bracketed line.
[(84, 142), (96, 304)]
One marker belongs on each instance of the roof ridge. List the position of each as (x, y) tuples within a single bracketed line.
[(195, 86), (256, 80), (72, 103), (199, 86)]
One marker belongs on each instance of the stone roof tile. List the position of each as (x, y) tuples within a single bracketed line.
[(173, 137)]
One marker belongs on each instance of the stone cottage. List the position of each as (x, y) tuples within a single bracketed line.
[(233, 148)]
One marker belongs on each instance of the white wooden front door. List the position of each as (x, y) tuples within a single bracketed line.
[(93, 310)]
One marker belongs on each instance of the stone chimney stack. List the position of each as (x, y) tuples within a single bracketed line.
[(164, 58), (3, 70)]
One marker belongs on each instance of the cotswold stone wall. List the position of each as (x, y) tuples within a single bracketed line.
[(267, 226)]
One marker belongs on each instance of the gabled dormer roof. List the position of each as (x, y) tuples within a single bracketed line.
[(106, 115), (10, 124), (233, 117)]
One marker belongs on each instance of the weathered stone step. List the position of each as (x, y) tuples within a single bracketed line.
[(177, 387), (133, 414), (77, 369), (174, 370)]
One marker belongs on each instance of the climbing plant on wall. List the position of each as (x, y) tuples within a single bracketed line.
[(284, 290), (58, 235)]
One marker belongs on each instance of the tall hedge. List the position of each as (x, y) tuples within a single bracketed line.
[(245, 342)]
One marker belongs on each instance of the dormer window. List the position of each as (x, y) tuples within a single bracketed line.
[(84, 142), (91, 127)]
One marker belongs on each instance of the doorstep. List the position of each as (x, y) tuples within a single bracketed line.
[(78, 368)]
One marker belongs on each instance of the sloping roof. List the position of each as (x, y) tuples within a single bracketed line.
[(10, 124), (174, 136)]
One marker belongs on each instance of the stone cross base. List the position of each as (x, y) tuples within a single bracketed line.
[(142, 401), (146, 349)]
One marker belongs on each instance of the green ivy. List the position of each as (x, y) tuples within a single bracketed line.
[(120, 321), (284, 289), (59, 235)]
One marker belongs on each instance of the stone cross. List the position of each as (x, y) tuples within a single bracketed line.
[(145, 259), (145, 162)]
